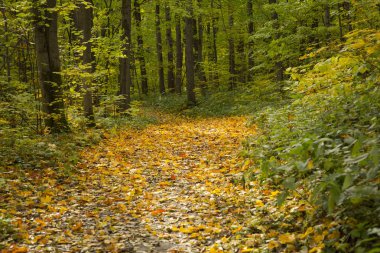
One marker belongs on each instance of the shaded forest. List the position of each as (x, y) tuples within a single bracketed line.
[(267, 111)]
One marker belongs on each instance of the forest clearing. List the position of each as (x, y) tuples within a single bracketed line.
[(190, 126)]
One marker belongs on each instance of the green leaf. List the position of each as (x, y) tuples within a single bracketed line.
[(348, 180)]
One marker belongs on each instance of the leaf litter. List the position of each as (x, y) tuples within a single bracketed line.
[(172, 187)]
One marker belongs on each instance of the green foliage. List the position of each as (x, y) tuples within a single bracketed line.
[(325, 146), (240, 101)]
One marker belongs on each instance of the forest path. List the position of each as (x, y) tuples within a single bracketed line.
[(167, 188)]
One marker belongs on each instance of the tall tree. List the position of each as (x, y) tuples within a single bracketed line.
[(179, 55), (278, 62), (231, 50), (170, 42), (189, 37), (250, 41), (199, 61), (140, 45), (125, 79), (212, 30), (85, 23), (49, 65), (160, 57), (7, 59)]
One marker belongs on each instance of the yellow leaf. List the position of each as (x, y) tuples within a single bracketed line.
[(307, 233), (318, 238), (174, 229), (319, 248), (77, 226), (310, 164), (188, 230), (274, 194), (19, 250), (272, 233), (286, 238), (259, 203), (46, 199), (122, 207), (247, 250), (214, 249), (273, 244)]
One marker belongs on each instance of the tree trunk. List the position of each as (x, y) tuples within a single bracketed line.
[(242, 67), (140, 50), (7, 59), (169, 39), (347, 7), (212, 31), (49, 66), (250, 42), (189, 37), (199, 63), (231, 53), (278, 63), (85, 23), (179, 55), (125, 79), (160, 58), (327, 19)]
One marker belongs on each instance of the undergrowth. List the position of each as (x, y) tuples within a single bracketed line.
[(241, 101), (324, 147)]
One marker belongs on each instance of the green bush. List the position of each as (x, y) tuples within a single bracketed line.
[(325, 146)]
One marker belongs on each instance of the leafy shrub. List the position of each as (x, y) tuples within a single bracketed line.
[(325, 146)]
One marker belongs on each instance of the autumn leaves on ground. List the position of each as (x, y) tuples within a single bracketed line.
[(172, 187)]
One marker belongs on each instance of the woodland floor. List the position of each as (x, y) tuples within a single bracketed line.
[(168, 188)]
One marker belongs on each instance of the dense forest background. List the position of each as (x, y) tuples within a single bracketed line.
[(307, 71)]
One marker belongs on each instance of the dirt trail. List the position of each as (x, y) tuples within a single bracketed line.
[(167, 188)]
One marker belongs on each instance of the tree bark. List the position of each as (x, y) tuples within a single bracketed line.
[(125, 79), (250, 42), (49, 65), (169, 39), (212, 30), (179, 55), (160, 58), (189, 37), (7, 59), (242, 61), (85, 23), (140, 51), (279, 69), (199, 62), (231, 53)]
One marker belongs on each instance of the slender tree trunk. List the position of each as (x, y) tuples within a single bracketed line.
[(347, 7), (125, 79), (199, 63), (242, 60), (231, 53), (160, 58), (327, 19), (49, 65), (85, 23), (179, 55), (340, 23), (279, 69), (140, 50), (189, 37), (6, 37), (213, 53), (250, 42), (169, 39)]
